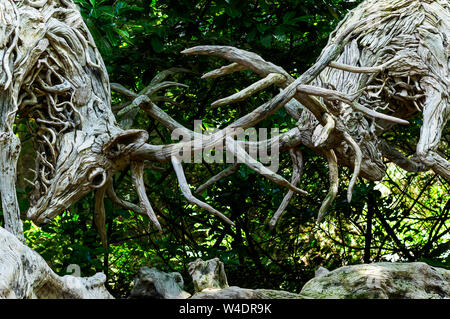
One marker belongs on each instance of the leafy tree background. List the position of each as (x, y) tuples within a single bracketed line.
[(402, 218)]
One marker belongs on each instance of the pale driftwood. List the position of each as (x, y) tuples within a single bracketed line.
[(137, 171), (55, 77), (334, 184), (25, 274), (150, 283), (246, 158), (9, 142), (383, 280), (342, 100), (386, 61), (272, 78), (209, 274), (297, 172), (186, 191)]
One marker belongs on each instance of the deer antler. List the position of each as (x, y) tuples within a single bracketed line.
[(337, 124), (306, 95), (293, 89)]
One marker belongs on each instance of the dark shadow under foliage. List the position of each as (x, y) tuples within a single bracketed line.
[(406, 219)]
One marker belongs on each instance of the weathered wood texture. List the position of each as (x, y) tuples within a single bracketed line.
[(384, 280), (154, 284), (25, 274), (53, 76), (386, 62)]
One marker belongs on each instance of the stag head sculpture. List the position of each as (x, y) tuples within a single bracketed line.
[(55, 78)]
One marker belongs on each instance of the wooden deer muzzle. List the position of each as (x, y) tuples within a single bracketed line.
[(85, 164)]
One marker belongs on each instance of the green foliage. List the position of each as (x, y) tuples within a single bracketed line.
[(138, 39)]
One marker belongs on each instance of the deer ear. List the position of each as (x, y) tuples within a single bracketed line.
[(125, 142)]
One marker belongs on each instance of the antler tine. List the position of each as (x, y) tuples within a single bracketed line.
[(248, 60), (334, 184), (357, 164), (123, 203), (186, 190), (242, 60), (117, 87), (297, 165), (151, 89), (99, 214), (225, 173), (254, 62), (356, 69), (226, 69), (324, 131), (167, 100), (372, 113), (161, 76), (272, 78), (245, 158), (137, 173), (335, 95)]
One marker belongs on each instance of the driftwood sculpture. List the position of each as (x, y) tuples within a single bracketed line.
[(24, 274), (53, 75), (385, 62)]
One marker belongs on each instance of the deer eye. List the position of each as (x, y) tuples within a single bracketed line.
[(97, 178)]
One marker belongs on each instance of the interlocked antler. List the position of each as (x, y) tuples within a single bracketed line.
[(299, 90), (384, 63), (306, 95)]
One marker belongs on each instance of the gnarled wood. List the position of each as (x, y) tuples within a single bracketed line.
[(25, 274), (385, 62)]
